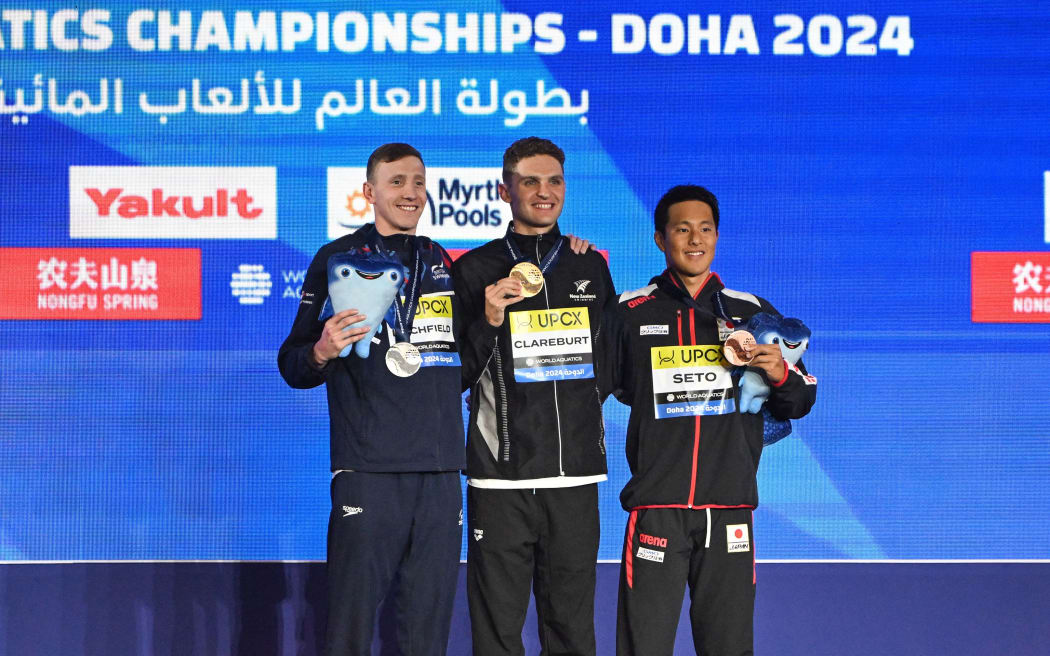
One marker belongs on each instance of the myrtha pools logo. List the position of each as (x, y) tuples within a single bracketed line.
[(462, 203)]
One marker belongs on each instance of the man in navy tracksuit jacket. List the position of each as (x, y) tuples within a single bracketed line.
[(396, 442), (693, 455)]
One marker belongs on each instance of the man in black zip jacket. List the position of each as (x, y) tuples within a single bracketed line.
[(536, 443), (396, 422), (693, 455)]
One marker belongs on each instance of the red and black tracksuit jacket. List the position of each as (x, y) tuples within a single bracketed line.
[(707, 461)]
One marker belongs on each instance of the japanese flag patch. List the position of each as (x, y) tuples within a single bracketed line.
[(737, 538)]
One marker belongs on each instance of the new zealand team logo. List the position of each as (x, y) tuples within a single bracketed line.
[(581, 288)]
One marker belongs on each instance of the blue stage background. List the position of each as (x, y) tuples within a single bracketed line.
[(853, 190)]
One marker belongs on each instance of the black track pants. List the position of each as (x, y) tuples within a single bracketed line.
[(547, 536), (389, 524), (666, 547)]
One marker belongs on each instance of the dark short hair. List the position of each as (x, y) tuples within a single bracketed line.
[(680, 194), (528, 147), (390, 152)]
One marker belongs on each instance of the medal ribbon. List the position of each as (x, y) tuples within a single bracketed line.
[(546, 263), (405, 311)]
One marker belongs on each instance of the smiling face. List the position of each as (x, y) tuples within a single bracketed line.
[(398, 192), (688, 241), (535, 191)]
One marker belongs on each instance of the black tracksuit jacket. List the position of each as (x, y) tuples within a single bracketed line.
[(380, 422), (529, 430), (687, 461)]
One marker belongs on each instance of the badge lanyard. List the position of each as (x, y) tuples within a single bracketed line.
[(546, 263), (405, 311)]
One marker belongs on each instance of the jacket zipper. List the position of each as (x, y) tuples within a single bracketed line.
[(696, 433), (504, 434), (696, 419), (557, 413)]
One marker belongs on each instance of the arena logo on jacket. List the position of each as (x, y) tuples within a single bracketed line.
[(691, 381), (432, 331), (551, 345)]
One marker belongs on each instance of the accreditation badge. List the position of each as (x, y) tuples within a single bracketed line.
[(551, 344), (691, 381), (432, 331)]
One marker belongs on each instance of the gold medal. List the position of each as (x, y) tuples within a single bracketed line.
[(733, 350), (403, 359), (530, 277)]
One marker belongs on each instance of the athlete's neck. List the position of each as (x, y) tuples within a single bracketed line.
[(693, 284), (530, 231), (387, 229)]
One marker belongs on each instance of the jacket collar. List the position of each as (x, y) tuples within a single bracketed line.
[(549, 237), (369, 235), (671, 284)]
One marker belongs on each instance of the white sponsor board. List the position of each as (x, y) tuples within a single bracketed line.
[(172, 202), (462, 203)]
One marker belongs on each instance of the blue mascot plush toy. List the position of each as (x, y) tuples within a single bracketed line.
[(793, 337), (367, 280)]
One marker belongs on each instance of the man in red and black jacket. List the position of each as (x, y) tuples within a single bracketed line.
[(693, 455)]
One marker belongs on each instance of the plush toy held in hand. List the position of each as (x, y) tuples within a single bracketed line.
[(793, 337), (367, 281)]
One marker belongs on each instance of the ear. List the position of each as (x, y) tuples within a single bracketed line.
[(658, 237), (504, 193), (369, 192)]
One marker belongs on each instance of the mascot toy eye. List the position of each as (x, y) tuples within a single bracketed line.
[(792, 336)]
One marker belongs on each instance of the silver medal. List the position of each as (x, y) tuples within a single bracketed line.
[(403, 359)]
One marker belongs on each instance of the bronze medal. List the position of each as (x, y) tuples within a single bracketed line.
[(403, 359), (733, 350), (530, 277)]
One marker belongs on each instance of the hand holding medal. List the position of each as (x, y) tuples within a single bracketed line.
[(530, 277), (742, 350), (499, 295)]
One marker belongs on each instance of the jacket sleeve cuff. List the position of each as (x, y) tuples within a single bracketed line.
[(488, 331), (784, 378)]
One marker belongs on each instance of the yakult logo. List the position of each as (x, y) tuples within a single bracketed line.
[(462, 204), (152, 202)]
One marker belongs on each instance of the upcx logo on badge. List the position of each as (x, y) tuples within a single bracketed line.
[(172, 202), (462, 203)]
